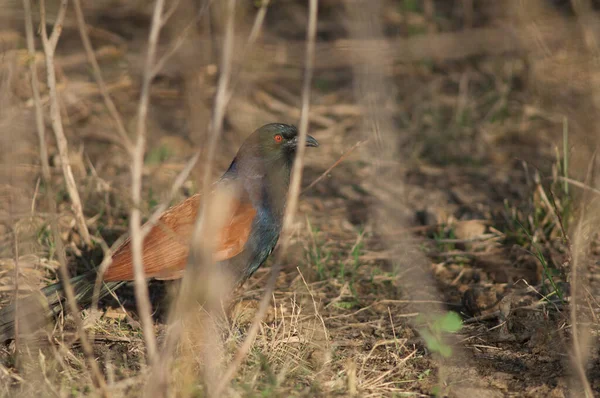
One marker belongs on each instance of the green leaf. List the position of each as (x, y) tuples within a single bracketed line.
[(445, 350), (451, 322), (432, 342)]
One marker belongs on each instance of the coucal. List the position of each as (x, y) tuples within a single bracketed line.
[(260, 173)]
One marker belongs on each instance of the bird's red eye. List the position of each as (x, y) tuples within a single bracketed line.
[(278, 138)]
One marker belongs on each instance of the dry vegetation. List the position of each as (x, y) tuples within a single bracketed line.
[(463, 136)]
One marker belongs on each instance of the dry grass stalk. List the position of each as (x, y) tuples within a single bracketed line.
[(17, 274), (220, 104), (315, 307), (580, 184), (579, 358), (140, 283), (202, 248), (49, 44), (15, 247), (200, 258), (294, 192), (151, 222), (258, 23), (334, 165), (160, 64), (375, 90), (97, 377), (49, 47), (108, 102), (580, 338), (254, 32), (292, 202), (197, 330), (35, 86), (40, 126)]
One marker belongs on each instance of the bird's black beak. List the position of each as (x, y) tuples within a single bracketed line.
[(310, 141)]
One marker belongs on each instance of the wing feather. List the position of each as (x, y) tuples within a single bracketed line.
[(166, 247)]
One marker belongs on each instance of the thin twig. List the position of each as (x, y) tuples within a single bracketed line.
[(108, 102), (39, 116), (146, 228), (179, 181), (64, 273), (579, 184), (49, 44), (567, 240), (72, 303), (257, 26), (200, 250), (35, 86), (317, 314), (337, 162), (141, 288), (292, 201), (294, 191), (17, 272), (254, 32), (160, 64), (13, 225), (169, 13), (220, 98), (579, 358)]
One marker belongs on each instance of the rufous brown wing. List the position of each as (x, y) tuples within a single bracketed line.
[(166, 247)]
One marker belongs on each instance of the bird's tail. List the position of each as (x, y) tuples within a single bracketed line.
[(34, 310)]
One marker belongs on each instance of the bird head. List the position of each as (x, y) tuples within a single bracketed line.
[(281, 140), (274, 144), (263, 164)]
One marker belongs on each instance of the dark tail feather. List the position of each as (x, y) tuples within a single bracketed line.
[(35, 309)]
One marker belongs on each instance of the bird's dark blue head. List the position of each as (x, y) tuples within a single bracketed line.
[(274, 142), (273, 146), (264, 161)]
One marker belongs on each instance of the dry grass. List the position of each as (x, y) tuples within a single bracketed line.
[(457, 175)]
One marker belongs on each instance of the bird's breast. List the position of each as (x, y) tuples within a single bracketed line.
[(263, 238)]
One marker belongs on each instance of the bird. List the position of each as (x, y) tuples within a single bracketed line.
[(260, 173)]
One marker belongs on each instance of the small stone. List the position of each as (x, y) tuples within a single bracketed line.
[(469, 229)]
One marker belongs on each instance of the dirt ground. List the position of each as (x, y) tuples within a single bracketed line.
[(461, 204)]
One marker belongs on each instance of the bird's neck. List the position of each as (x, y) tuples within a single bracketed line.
[(265, 184)]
